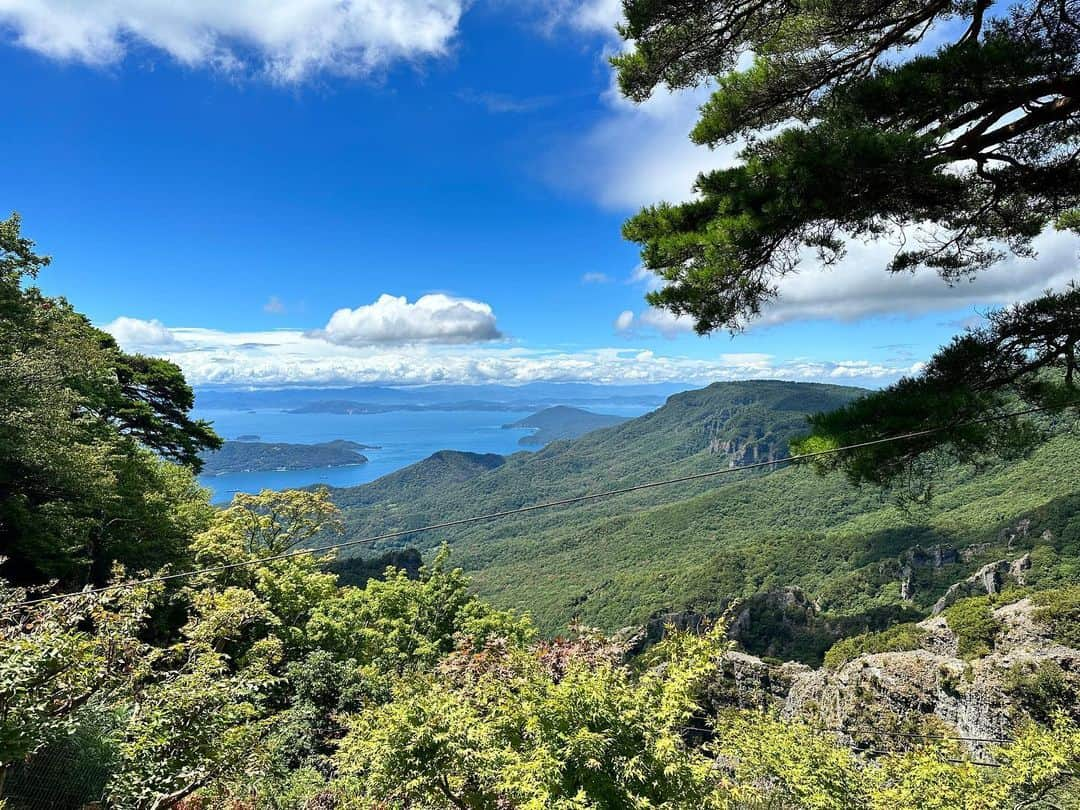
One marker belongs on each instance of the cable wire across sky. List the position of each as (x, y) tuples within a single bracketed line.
[(592, 496)]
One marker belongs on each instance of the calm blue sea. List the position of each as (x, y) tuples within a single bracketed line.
[(404, 437)]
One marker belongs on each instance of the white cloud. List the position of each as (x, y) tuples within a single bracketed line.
[(274, 306), (292, 357), (595, 278), (645, 277), (596, 15), (654, 320), (286, 40), (639, 154), (135, 334), (581, 16), (435, 318), (859, 287)]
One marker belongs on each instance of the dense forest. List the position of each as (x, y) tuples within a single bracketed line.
[(696, 547), (254, 455)]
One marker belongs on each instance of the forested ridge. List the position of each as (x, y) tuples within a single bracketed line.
[(696, 547), (254, 455)]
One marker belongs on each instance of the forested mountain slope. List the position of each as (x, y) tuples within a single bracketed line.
[(695, 547), (562, 422)]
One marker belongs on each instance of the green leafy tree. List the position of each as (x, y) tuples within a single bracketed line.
[(203, 722), (211, 718), (57, 658), (86, 433), (857, 124), (557, 725)]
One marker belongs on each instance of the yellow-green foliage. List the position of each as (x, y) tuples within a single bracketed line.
[(907, 636), (1059, 610), (284, 690), (769, 762), (555, 725), (973, 622)]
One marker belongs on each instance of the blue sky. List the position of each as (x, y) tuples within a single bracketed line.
[(215, 183)]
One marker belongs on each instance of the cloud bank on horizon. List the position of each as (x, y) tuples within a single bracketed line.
[(284, 357)]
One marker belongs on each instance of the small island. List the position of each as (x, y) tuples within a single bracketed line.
[(562, 422), (256, 456), (248, 437)]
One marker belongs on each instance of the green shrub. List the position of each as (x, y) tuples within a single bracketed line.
[(973, 622), (1059, 610), (898, 638), (1045, 692)]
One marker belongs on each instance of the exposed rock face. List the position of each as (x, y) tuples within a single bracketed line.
[(989, 579), (749, 683), (971, 697), (936, 557), (1019, 568)]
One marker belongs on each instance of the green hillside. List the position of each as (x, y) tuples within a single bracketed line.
[(562, 422), (695, 547)]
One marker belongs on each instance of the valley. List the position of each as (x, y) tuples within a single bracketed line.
[(694, 548)]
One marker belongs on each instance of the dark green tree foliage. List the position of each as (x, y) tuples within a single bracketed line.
[(854, 128), (82, 428), (358, 571), (1025, 355)]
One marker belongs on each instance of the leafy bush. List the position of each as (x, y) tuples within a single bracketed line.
[(973, 622), (898, 638), (1046, 692), (1059, 609)]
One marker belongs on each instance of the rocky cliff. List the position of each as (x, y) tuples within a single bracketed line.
[(932, 688)]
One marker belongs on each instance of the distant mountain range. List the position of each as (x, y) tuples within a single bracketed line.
[(562, 422), (859, 559), (532, 396), (347, 406), (256, 456)]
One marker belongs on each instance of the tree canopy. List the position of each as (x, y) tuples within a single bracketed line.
[(856, 123), (86, 430)]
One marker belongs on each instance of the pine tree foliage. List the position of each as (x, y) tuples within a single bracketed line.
[(857, 124)]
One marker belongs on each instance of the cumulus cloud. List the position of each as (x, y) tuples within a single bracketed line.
[(286, 40), (274, 306), (135, 334), (285, 357), (435, 318)]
